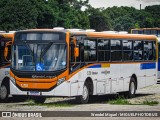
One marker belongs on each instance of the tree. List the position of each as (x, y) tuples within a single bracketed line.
[(16, 15), (98, 20), (70, 14)]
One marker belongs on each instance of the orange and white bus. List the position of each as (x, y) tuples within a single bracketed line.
[(5, 49), (51, 62)]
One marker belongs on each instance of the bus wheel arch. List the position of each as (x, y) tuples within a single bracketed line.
[(135, 78), (132, 86), (5, 89), (89, 82), (87, 91)]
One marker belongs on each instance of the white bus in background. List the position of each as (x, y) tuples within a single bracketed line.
[(150, 31), (5, 54)]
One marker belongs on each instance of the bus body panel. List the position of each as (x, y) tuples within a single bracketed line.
[(105, 80), (4, 72)]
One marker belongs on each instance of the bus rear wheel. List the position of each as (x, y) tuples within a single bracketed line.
[(4, 93), (83, 99), (132, 88)]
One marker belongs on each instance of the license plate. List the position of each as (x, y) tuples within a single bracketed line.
[(34, 93)]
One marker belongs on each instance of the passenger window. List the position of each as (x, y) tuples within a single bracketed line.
[(148, 50), (127, 50), (90, 50), (154, 50), (103, 50), (138, 50), (116, 50)]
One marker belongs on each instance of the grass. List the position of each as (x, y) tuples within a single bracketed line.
[(119, 101), (123, 101), (151, 103), (57, 104)]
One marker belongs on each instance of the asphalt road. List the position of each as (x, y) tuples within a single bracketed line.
[(98, 103)]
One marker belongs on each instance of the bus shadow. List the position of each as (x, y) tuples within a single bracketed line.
[(15, 99), (101, 99)]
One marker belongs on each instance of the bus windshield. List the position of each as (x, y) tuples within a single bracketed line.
[(39, 57)]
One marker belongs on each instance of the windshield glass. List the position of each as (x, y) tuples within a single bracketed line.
[(39, 57), (19, 36)]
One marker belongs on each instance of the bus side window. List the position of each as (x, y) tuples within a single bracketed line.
[(127, 50), (116, 50), (148, 50), (138, 50), (103, 51), (154, 50), (2, 59), (90, 53)]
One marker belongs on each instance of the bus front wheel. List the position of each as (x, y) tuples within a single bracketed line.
[(83, 99), (4, 93)]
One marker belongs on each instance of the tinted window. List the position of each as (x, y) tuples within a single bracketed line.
[(103, 45), (148, 50), (127, 50), (116, 50), (103, 50), (116, 55), (90, 50), (138, 55), (116, 45), (154, 50), (127, 55), (39, 36), (138, 45), (127, 45)]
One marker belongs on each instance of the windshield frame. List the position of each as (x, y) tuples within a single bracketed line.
[(49, 42)]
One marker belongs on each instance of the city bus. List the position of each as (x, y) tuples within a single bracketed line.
[(64, 63), (150, 31), (5, 49)]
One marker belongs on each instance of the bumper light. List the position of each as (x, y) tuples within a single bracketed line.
[(61, 80), (13, 80)]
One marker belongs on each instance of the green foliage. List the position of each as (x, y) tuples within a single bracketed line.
[(24, 14), (151, 103), (123, 101), (15, 14), (119, 101)]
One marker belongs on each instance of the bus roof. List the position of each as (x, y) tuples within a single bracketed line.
[(145, 29), (6, 35), (97, 34)]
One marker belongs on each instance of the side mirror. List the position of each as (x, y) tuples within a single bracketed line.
[(6, 50), (76, 52)]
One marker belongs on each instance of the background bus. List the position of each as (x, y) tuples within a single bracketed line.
[(150, 31), (5, 46), (48, 62)]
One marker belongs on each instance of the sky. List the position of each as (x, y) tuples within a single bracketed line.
[(129, 3)]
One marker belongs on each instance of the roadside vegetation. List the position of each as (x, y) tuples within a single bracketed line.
[(51, 104), (123, 101), (26, 14)]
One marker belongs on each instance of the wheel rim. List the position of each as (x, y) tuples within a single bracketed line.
[(85, 93), (132, 88), (3, 92)]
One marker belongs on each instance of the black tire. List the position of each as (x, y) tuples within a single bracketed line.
[(83, 99), (4, 93), (132, 88), (39, 99)]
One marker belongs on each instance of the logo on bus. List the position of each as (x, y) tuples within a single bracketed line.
[(105, 72)]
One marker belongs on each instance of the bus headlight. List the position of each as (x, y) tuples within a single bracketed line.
[(61, 80), (13, 80)]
